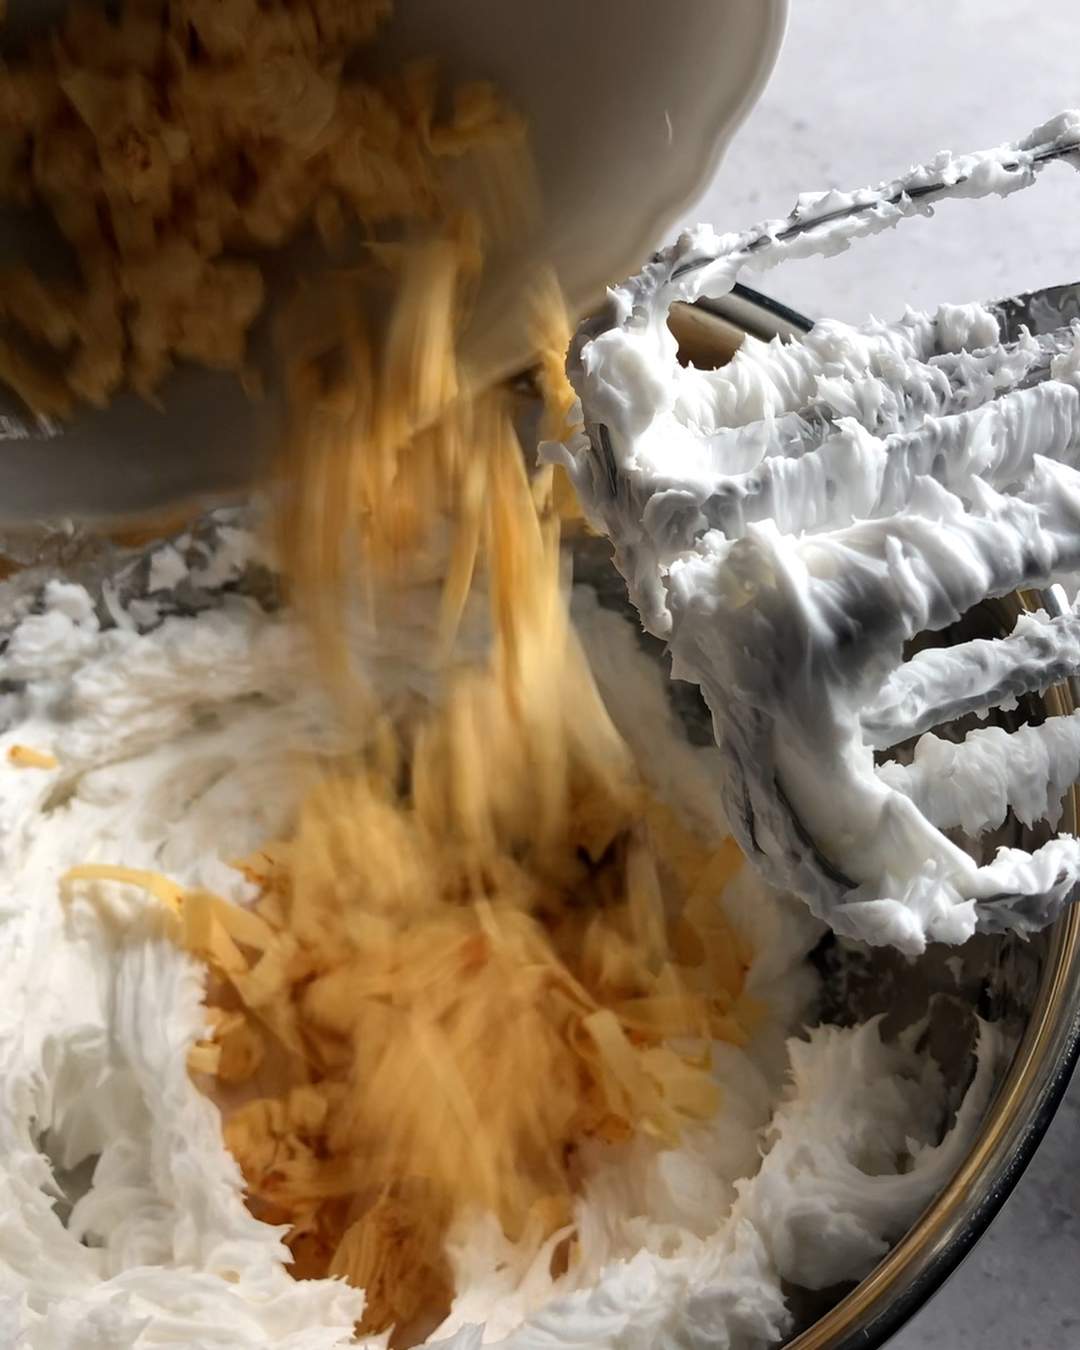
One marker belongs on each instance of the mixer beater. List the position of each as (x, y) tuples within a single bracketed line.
[(794, 525)]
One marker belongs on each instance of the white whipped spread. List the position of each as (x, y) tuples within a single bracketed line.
[(178, 738), (790, 521)]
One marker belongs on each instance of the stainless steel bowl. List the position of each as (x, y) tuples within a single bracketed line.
[(1030, 988)]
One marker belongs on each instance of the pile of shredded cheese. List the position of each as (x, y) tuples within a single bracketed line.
[(484, 944), (434, 1011)]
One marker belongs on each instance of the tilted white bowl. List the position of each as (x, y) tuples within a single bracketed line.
[(630, 106)]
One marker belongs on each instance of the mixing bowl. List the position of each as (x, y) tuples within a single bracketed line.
[(1031, 989)]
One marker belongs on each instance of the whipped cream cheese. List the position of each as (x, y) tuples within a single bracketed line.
[(180, 719)]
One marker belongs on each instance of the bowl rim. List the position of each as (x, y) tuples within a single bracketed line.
[(771, 17), (1033, 1085)]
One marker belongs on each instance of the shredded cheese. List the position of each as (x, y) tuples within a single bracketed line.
[(26, 757)]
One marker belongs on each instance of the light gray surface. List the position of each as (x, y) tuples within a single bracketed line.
[(862, 91)]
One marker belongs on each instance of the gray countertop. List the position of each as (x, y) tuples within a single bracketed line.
[(1019, 1289), (861, 92)]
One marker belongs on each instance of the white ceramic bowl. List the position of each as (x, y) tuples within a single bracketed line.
[(631, 105)]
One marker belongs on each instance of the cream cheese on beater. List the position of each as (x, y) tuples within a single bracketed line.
[(790, 521)]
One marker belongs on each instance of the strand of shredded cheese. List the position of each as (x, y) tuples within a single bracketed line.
[(27, 757)]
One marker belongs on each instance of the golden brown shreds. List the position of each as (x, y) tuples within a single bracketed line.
[(223, 27), (167, 893), (328, 1003), (199, 102), (16, 183), (415, 92), (419, 373), (211, 324), (285, 27), (369, 865), (222, 1020), (148, 163), (283, 199), (242, 923), (133, 225), (137, 150), (660, 1016), (272, 906), (443, 999), (29, 97), (230, 123), (599, 810), (82, 224), (242, 1051), (345, 24), (151, 339), (65, 166), (166, 276), (306, 1109), (330, 222), (97, 372), (437, 1100), (206, 213), (645, 905), (685, 854), (138, 168), (140, 38), (204, 1057), (86, 33), (480, 117), (43, 392), (371, 160), (394, 1252), (465, 550), (631, 1080), (26, 757), (108, 104), (265, 868), (41, 311), (283, 96), (607, 963), (551, 341), (312, 1249), (98, 368), (205, 937), (135, 41), (271, 975), (254, 1136), (690, 1093)]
